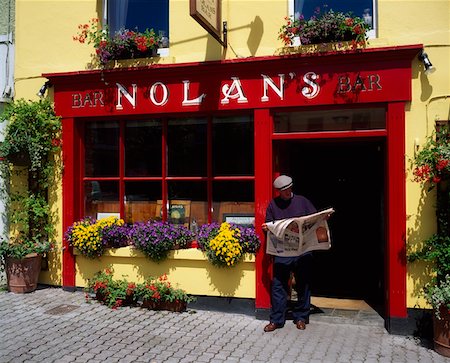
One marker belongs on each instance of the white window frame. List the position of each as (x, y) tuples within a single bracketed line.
[(372, 34)]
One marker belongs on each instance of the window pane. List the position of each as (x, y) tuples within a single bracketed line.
[(232, 140), (186, 143), (232, 197), (143, 148), (101, 197), (101, 149), (360, 8), (141, 201), (138, 14), (188, 201), (330, 120)]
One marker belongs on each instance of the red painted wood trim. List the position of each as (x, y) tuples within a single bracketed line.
[(69, 186), (209, 168), (263, 194), (396, 212), (122, 169), (329, 134), (164, 170)]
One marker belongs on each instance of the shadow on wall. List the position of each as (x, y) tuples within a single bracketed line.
[(420, 271)]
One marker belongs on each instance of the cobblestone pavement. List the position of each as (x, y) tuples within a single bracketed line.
[(52, 325)]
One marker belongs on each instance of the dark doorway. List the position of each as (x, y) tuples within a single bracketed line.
[(349, 176)]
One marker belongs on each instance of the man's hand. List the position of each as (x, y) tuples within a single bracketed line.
[(264, 227)]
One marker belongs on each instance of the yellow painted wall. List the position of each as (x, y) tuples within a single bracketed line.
[(188, 269), (44, 44)]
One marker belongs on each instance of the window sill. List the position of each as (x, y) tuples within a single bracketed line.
[(192, 254)]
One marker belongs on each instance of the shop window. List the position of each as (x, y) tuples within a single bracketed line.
[(232, 138), (203, 165), (101, 198), (186, 145), (232, 198), (330, 120), (101, 149), (141, 200), (138, 15), (365, 9), (143, 148)]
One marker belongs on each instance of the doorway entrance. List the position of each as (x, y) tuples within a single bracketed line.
[(349, 176)]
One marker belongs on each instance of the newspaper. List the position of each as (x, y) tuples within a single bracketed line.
[(296, 236)]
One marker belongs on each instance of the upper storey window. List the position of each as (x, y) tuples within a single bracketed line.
[(138, 15), (361, 8)]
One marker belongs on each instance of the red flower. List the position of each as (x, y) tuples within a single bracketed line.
[(442, 164), (349, 22)]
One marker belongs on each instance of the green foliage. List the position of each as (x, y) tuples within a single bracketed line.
[(327, 27), (432, 163), (432, 169), (436, 250), (114, 293), (439, 295), (33, 129), (31, 139), (160, 290)]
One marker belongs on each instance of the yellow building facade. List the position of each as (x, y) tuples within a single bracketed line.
[(44, 44)]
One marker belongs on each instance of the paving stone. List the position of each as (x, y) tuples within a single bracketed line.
[(94, 333)]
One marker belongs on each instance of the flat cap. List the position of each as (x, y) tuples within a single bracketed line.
[(282, 182)]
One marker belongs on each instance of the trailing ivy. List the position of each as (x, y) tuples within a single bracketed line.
[(31, 140)]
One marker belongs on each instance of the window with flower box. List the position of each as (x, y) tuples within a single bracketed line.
[(138, 15), (181, 170), (365, 9)]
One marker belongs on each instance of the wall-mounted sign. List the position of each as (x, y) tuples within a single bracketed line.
[(208, 14)]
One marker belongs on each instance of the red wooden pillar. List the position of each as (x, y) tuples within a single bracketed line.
[(396, 212), (263, 194), (68, 203)]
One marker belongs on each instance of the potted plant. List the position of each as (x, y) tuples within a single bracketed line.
[(159, 294), (156, 238), (31, 141), (111, 292), (327, 27), (432, 169), (226, 244), (123, 44)]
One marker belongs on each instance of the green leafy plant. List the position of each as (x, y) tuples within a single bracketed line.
[(161, 290), (113, 293), (327, 27), (431, 168), (124, 44), (439, 295), (432, 162), (31, 143)]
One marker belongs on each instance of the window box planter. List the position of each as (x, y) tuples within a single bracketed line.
[(189, 269)]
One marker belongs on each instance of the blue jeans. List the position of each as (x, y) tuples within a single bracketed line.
[(282, 268)]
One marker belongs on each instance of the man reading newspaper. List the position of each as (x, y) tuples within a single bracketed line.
[(289, 240)]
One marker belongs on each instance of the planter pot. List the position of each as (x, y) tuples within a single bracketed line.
[(441, 330), (22, 274), (176, 306)]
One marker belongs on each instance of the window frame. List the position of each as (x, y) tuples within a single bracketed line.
[(162, 52), (164, 178), (372, 34)]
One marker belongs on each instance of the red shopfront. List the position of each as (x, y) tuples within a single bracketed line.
[(335, 121)]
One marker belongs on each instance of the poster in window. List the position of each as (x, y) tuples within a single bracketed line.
[(178, 212)]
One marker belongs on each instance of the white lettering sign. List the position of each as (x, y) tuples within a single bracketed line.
[(234, 92), (121, 90)]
